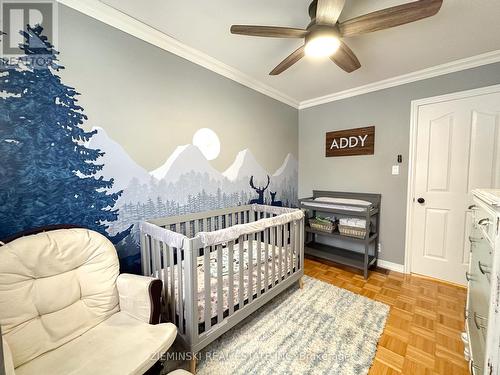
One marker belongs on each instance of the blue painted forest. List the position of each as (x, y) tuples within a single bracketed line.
[(47, 174)]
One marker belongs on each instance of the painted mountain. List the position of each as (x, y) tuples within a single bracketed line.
[(186, 159), (244, 166), (117, 163), (284, 181), (186, 182), (183, 175)]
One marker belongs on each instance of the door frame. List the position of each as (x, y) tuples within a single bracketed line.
[(415, 105)]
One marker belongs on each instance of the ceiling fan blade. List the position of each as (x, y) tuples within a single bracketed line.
[(289, 61), (390, 17), (268, 31), (328, 11), (345, 58)]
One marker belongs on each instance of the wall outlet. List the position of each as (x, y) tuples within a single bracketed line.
[(395, 169), (379, 248)]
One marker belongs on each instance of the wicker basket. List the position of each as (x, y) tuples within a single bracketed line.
[(349, 231), (321, 226)]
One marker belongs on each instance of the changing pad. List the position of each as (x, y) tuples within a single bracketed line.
[(339, 204)]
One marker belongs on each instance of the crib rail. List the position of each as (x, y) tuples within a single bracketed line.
[(163, 256), (192, 224), (208, 288)]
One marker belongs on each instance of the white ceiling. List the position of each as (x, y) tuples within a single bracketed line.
[(462, 28)]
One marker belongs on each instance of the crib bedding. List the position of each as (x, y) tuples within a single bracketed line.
[(268, 261)]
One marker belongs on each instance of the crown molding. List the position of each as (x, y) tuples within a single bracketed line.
[(124, 22), (438, 70)]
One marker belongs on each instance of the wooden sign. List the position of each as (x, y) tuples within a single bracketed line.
[(360, 141)]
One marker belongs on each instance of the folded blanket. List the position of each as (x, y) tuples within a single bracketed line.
[(353, 222)]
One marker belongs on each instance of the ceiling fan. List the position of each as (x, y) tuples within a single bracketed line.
[(322, 37)]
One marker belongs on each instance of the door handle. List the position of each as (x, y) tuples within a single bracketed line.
[(484, 270), (472, 207), (421, 200), (484, 222), (481, 318), (473, 367), (468, 276)]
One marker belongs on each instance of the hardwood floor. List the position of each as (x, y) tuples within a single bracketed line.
[(422, 333)]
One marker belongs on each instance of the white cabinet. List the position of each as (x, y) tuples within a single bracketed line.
[(483, 297)]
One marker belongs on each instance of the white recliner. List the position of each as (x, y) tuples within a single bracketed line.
[(65, 309)]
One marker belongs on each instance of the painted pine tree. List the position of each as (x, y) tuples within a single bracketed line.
[(47, 173), (13, 141)]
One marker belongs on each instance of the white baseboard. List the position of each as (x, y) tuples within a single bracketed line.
[(391, 266)]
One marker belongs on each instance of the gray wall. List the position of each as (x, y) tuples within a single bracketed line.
[(389, 111), (151, 101)]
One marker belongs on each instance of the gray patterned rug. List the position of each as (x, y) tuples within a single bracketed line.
[(320, 329)]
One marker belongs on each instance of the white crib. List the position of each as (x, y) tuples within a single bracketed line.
[(252, 253)]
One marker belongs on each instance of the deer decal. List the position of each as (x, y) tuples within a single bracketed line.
[(274, 202), (259, 190)]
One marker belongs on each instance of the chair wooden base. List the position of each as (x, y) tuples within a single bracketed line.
[(192, 365)]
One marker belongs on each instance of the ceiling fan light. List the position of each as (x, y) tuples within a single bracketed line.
[(322, 46)]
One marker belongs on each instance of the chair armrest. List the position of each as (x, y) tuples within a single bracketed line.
[(140, 296), (7, 362)]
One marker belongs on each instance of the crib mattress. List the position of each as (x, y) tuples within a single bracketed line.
[(268, 262)]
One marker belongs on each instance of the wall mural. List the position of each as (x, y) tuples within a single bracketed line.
[(53, 171)]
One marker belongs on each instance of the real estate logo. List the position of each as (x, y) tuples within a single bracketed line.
[(16, 16)]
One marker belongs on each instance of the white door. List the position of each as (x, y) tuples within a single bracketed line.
[(457, 150)]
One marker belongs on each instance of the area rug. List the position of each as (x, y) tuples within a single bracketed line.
[(320, 329)]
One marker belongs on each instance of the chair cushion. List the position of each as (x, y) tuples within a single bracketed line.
[(118, 346), (55, 286)]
